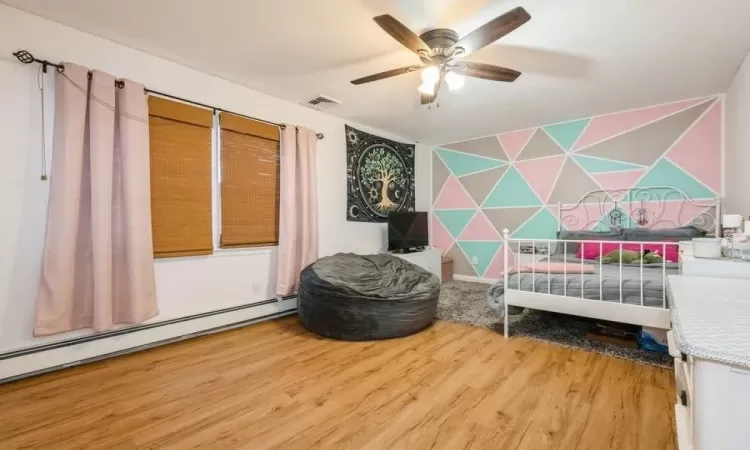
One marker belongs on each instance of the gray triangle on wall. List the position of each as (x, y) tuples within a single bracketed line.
[(540, 145), (706, 220), (480, 184), (572, 184), (646, 144), (486, 146), (440, 175), (461, 265)]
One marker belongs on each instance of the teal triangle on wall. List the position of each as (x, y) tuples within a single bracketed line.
[(543, 225), (664, 173), (455, 220), (512, 190), (464, 163), (479, 253), (566, 134), (598, 165)]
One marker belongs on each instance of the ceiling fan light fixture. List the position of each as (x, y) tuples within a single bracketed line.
[(430, 75), (427, 88), (454, 81)]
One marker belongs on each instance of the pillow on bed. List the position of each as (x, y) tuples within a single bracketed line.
[(582, 235), (593, 250), (667, 234)]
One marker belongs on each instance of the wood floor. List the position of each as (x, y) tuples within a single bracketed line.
[(275, 385)]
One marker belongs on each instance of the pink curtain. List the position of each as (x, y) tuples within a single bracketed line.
[(298, 208), (98, 267)]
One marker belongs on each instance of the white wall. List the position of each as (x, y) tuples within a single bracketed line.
[(738, 142), (185, 286)]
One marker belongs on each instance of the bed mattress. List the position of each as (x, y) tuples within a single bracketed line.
[(603, 284)]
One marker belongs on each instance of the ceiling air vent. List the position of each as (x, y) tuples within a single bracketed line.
[(323, 102)]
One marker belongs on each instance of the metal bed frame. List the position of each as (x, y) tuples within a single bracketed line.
[(640, 207)]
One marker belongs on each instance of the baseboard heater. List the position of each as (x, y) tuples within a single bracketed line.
[(44, 358)]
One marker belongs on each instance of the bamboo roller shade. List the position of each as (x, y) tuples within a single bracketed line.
[(248, 126), (180, 141), (249, 182)]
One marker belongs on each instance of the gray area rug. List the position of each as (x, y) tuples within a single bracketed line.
[(465, 302)]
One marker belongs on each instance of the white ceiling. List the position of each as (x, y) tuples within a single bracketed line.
[(579, 57)]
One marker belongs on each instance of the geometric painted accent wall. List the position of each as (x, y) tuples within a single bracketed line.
[(516, 180)]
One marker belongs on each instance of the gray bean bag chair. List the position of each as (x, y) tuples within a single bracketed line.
[(362, 297)]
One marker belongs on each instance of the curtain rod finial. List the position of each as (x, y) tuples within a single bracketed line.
[(24, 56), (27, 58)]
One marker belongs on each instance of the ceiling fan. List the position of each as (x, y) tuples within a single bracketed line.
[(440, 51)]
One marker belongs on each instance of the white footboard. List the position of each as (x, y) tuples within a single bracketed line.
[(584, 302)]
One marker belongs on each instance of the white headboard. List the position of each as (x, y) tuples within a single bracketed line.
[(654, 207)]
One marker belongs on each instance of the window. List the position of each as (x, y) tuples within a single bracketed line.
[(180, 143), (249, 182), (246, 189)]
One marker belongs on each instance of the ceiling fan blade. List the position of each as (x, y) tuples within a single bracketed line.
[(493, 30), (386, 74), (488, 71), (401, 33)]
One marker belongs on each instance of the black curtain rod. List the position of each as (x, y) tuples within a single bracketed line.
[(203, 105), (27, 58)]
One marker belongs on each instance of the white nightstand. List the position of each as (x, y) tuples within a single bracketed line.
[(712, 361), (714, 268)]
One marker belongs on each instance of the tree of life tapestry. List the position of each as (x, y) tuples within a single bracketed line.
[(380, 176)]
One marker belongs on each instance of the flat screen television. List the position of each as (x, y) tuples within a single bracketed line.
[(407, 231)]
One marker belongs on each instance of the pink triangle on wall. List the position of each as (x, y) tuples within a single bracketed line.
[(541, 174), (497, 266), (453, 196), (479, 229), (440, 237), (602, 128), (583, 216), (514, 141), (699, 150), (671, 214), (618, 183)]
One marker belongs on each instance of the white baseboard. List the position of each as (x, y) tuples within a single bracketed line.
[(26, 364), (475, 279)]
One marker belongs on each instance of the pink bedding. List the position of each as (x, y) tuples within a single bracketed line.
[(552, 267), (592, 250)]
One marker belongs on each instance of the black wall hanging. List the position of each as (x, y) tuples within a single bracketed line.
[(380, 176)]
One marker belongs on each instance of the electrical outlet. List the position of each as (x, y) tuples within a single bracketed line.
[(474, 260), (256, 287)]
